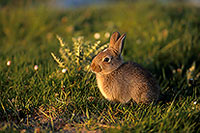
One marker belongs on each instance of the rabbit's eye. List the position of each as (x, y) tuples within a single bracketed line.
[(107, 59)]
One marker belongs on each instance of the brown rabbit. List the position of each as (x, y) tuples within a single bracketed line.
[(121, 81)]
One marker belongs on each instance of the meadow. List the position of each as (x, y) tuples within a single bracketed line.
[(46, 85)]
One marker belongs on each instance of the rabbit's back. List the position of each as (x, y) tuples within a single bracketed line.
[(130, 80), (143, 87)]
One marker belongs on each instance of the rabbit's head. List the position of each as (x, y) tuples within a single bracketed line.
[(109, 59)]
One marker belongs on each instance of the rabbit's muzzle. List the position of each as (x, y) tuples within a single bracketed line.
[(95, 68)]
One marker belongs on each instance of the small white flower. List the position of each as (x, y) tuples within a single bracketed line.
[(36, 67), (107, 35), (195, 102), (173, 71), (64, 70), (97, 36), (8, 63)]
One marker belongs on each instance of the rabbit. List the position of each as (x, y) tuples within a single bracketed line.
[(122, 81)]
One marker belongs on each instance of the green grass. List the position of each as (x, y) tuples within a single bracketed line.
[(165, 39)]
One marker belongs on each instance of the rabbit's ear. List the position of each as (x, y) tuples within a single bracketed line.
[(113, 39), (119, 44)]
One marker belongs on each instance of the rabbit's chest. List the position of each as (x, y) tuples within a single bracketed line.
[(107, 88)]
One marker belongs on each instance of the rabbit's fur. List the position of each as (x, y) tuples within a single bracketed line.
[(121, 81)]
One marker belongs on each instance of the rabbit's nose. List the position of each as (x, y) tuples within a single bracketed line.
[(95, 68), (92, 66)]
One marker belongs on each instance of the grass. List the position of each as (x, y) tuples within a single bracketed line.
[(163, 38)]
